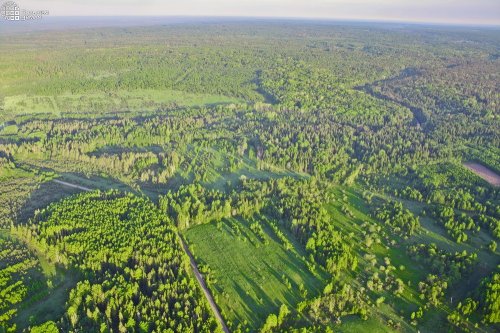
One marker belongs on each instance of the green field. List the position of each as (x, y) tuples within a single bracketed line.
[(315, 170), (97, 103), (250, 278)]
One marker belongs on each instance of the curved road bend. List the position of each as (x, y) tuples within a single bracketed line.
[(196, 272)]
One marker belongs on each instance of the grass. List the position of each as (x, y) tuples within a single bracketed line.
[(214, 166), (248, 169), (352, 226), (250, 274), (47, 303), (432, 232), (486, 260), (252, 277), (37, 192), (352, 324), (48, 268), (9, 130), (100, 102), (8, 173), (50, 307)]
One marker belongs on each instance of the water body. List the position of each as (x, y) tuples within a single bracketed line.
[(487, 174)]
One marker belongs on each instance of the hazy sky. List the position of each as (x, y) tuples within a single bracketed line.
[(444, 11)]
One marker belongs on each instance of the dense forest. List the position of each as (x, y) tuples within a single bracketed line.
[(250, 176)]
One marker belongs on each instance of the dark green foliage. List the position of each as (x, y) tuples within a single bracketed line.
[(450, 265), (269, 132), (401, 221), (135, 272)]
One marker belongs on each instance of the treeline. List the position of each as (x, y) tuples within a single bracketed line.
[(135, 273), (455, 224), (484, 303), (453, 196), (297, 202), (452, 265)]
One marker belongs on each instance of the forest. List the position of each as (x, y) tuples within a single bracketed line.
[(250, 176)]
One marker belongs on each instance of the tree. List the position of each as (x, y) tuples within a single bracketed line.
[(271, 322)]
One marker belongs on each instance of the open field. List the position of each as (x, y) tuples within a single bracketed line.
[(97, 103), (315, 170), (489, 175), (250, 276)]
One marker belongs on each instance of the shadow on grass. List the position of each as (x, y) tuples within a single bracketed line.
[(48, 304), (257, 307), (41, 197), (49, 191), (48, 290)]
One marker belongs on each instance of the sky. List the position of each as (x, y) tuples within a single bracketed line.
[(482, 12)]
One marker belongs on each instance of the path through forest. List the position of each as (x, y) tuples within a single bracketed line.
[(196, 272), (72, 185), (201, 281)]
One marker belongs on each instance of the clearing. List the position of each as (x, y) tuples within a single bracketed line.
[(487, 174), (251, 275)]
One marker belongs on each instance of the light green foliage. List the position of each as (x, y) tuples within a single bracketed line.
[(20, 279), (491, 299), (48, 327), (131, 261), (249, 272), (400, 220), (306, 163)]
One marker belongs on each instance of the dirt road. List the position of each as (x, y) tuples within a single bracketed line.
[(196, 272), (72, 185), (203, 285)]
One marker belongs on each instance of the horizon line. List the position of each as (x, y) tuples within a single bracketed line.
[(298, 18)]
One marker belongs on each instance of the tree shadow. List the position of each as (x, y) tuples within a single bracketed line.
[(49, 304), (50, 191), (268, 98)]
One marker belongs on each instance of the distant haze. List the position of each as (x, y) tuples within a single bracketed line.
[(482, 12)]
